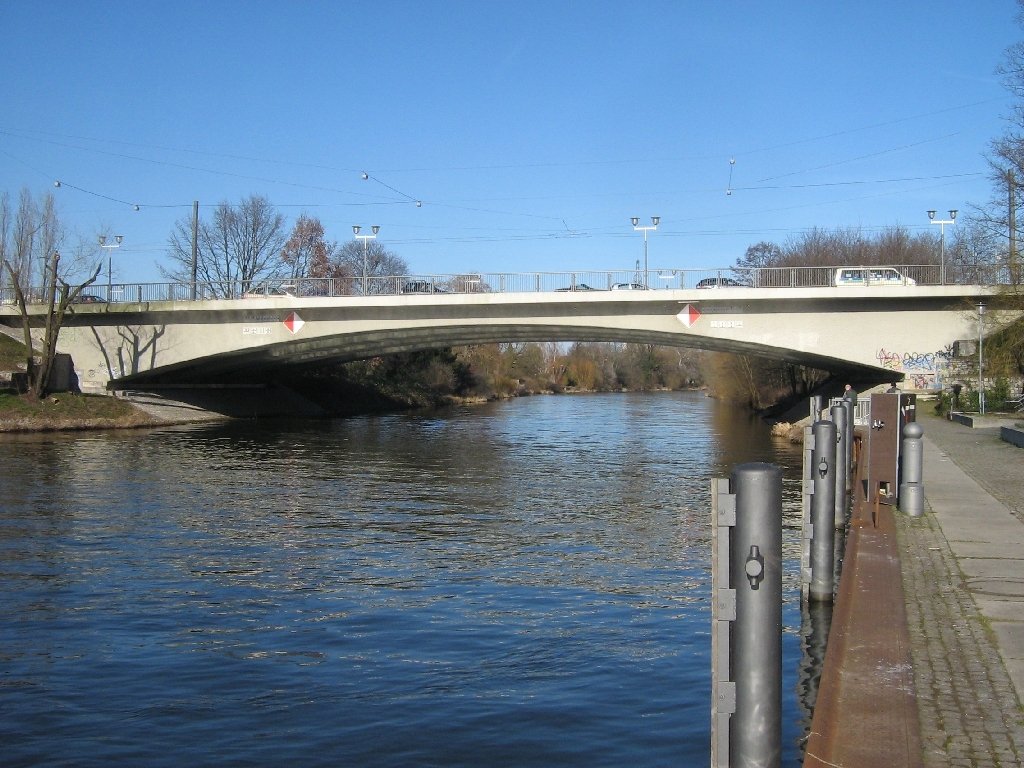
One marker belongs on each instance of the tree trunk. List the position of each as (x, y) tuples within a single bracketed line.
[(41, 378)]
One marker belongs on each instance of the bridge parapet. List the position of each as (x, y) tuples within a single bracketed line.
[(584, 281)]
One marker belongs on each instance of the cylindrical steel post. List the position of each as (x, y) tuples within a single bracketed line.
[(840, 415), (823, 511), (851, 425), (911, 498), (755, 731), (817, 405)]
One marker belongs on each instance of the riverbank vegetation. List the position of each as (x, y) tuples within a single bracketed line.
[(497, 371)]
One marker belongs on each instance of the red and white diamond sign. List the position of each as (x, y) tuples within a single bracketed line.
[(689, 315), (293, 322)]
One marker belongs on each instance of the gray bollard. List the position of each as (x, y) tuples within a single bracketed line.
[(851, 428), (840, 417), (817, 405), (823, 506), (911, 498), (755, 731)]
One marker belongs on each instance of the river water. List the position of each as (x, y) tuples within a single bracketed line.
[(522, 583)]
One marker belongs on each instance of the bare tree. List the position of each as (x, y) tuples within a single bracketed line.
[(762, 254), (996, 240), (378, 261), (240, 246), (30, 236)]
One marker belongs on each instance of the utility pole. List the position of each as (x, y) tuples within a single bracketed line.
[(195, 246), (1011, 191)]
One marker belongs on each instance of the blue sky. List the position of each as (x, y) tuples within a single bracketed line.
[(531, 131)]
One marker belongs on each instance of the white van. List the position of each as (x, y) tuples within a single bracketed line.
[(871, 276)]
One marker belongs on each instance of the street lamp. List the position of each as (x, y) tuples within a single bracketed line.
[(981, 359), (110, 247), (364, 238), (655, 220), (942, 241)]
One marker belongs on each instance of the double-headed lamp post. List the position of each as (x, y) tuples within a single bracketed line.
[(355, 231), (655, 220), (110, 247), (942, 240)]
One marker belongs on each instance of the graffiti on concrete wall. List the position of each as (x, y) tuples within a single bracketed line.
[(923, 370)]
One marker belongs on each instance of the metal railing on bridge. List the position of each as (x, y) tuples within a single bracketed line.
[(531, 282)]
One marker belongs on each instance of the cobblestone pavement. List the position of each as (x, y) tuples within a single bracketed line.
[(969, 709)]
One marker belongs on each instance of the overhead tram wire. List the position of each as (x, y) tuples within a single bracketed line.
[(856, 182), (368, 177), (199, 169), (26, 134), (860, 157), (759, 150), (408, 198), (58, 183)]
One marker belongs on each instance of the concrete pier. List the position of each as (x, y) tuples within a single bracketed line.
[(925, 663)]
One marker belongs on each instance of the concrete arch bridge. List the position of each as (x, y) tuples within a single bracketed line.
[(874, 333)]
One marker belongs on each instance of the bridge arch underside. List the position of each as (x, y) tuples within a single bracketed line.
[(273, 362)]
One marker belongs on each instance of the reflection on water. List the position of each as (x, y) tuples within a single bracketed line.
[(523, 583), (816, 622)]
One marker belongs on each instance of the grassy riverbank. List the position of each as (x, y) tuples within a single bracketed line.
[(20, 413), (69, 412)]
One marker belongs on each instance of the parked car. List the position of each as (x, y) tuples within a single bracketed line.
[(422, 286), (267, 291), (629, 287), (578, 287), (847, 276), (719, 282)]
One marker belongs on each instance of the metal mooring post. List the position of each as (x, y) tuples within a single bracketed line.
[(851, 429), (840, 417), (823, 506), (754, 652), (911, 498), (806, 529), (817, 405)]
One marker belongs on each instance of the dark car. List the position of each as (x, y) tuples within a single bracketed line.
[(422, 286), (578, 287), (719, 282)]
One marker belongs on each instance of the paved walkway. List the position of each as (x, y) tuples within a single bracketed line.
[(963, 580)]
